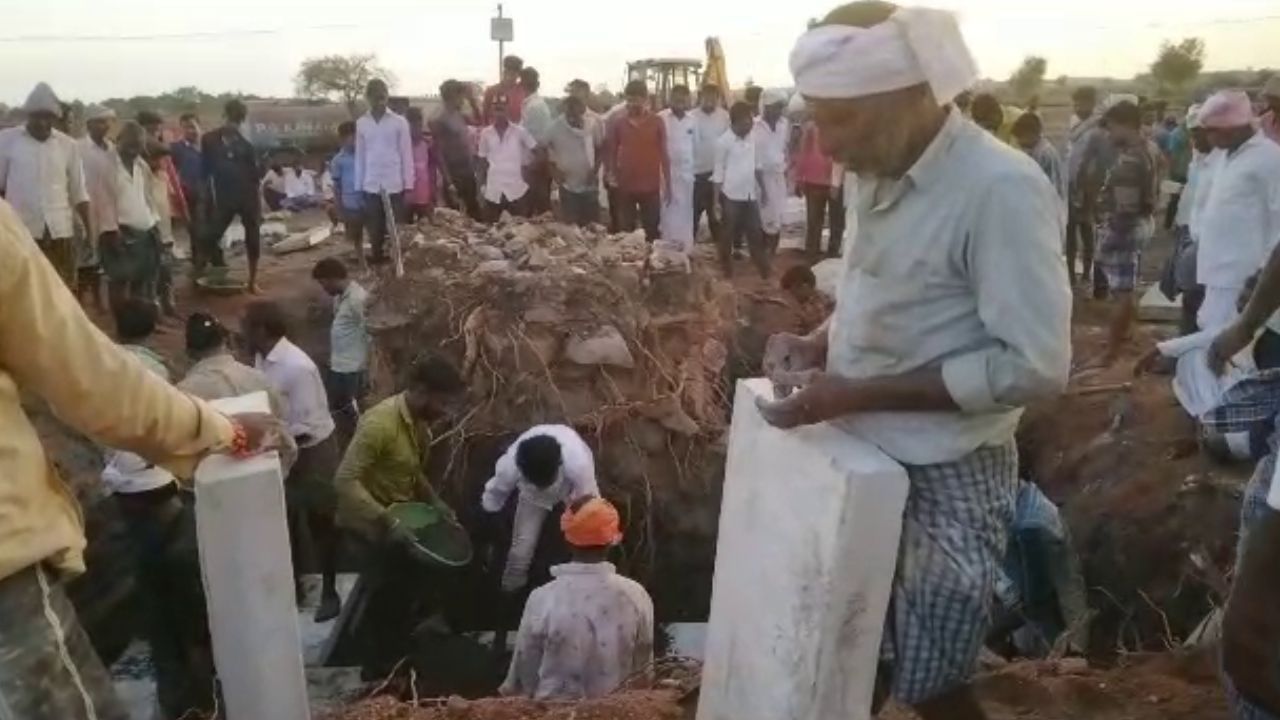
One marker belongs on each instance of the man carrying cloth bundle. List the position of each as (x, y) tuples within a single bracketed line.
[(954, 313)]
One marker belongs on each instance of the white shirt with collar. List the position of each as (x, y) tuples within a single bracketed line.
[(711, 127), (736, 165), (582, 635), (43, 181), (349, 333), (956, 266), (577, 479), (771, 145), (682, 142), (505, 153), (100, 181), (1240, 220), (133, 195), (297, 380), (384, 154)]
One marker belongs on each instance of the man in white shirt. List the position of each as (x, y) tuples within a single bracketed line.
[(676, 222), (536, 118), (712, 121), (738, 191), (348, 342), (773, 139), (549, 465), (1080, 221), (130, 254), (98, 154), (42, 177), (589, 630), (1240, 219), (953, 313), (309, 488), (384, 164), (503, 150)]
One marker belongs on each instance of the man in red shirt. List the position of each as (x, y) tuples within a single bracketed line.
[(637, 157), (509, 88)]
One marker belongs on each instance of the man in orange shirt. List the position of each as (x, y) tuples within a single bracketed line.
[(509, 88), (637, 158)]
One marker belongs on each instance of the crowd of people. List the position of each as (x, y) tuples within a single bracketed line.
[(953, 313)]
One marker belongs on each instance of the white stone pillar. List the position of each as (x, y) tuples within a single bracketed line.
[(248, 579), (809, 530)]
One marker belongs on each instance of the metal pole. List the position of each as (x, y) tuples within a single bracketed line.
[(501, 47)]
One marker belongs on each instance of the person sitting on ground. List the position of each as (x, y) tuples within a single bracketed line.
[(590, 629), (815, 307), (273, 187), (549, 465), (300, 191), (1125, 202), (386, 464), (1028, 131), (309, 487)]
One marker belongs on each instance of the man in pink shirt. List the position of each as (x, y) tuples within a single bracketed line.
[(820, 181), (420, 200)]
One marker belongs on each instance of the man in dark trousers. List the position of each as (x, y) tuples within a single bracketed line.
[(231, 168), (637, 155)]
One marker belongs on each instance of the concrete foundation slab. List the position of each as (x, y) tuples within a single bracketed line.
[(1155, 307), (248, 577), (809, 530)]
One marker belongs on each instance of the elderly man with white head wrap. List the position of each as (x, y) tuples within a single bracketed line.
[(1240, 216), (42, 178), (772, 134), (953, 314)]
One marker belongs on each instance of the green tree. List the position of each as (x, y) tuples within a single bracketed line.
[(339, 77), (1029, 77), (1178, 65)]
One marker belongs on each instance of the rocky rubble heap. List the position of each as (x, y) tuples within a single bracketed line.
[(555, 323)]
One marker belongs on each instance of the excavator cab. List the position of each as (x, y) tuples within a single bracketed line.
[(662, 74)]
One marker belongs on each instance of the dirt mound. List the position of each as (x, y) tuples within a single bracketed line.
[(1141, 687), (634, 705), (553, 323)]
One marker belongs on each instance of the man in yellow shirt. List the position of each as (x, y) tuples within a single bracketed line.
[(385, 464), (49, 349)]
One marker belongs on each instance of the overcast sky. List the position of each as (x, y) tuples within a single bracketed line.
[(92, 49)]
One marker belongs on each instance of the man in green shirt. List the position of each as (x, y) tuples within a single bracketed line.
[(385, 464)]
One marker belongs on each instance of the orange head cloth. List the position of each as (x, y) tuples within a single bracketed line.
[(594, 524)]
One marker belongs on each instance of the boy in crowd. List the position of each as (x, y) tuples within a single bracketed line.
[(739, 191), (420, 200), (348, 198), (815, 307)]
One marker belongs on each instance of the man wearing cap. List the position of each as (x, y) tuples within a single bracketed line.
[(1240, 219), (953, 314), (590, 629), (772, 134), (42, 177), (1270, 120), (98, 154)]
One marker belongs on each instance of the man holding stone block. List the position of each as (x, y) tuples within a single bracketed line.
[(50, 349), (953, 315)]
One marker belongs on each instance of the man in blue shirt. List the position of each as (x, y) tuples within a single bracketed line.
[(347, 196), (190, 165)]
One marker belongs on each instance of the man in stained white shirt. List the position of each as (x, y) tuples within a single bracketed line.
[(676, 221), (772, 133), (548, 465), (1239, 221), (130, 255), (712, 121), (739, 192), (504, 148), (590, 629), (98, 154), (42, 177), (310, 494), (384, 164), (958, 253)]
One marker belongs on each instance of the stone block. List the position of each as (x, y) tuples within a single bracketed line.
[(248, 577), (1154, 307), (809, 531)]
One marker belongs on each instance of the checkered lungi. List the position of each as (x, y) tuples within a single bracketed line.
[(1254, 400), (954, 533), (1119, 254)]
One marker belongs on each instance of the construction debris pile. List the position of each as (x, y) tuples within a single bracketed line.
[(635, 705), (554, 323)]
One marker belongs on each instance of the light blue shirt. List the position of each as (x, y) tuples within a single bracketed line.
[(342, 168), (349, 335), (955, 266)]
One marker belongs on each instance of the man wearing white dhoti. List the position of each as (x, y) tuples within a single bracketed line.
[(676, 225), (772, 134)]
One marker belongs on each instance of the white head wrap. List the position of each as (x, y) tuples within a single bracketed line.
[(99, 112), (773, 97), (42, 99), (1193, 117), (797, 105), (916, 45)]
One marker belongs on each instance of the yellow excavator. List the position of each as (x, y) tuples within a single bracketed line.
[(662, 74)]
